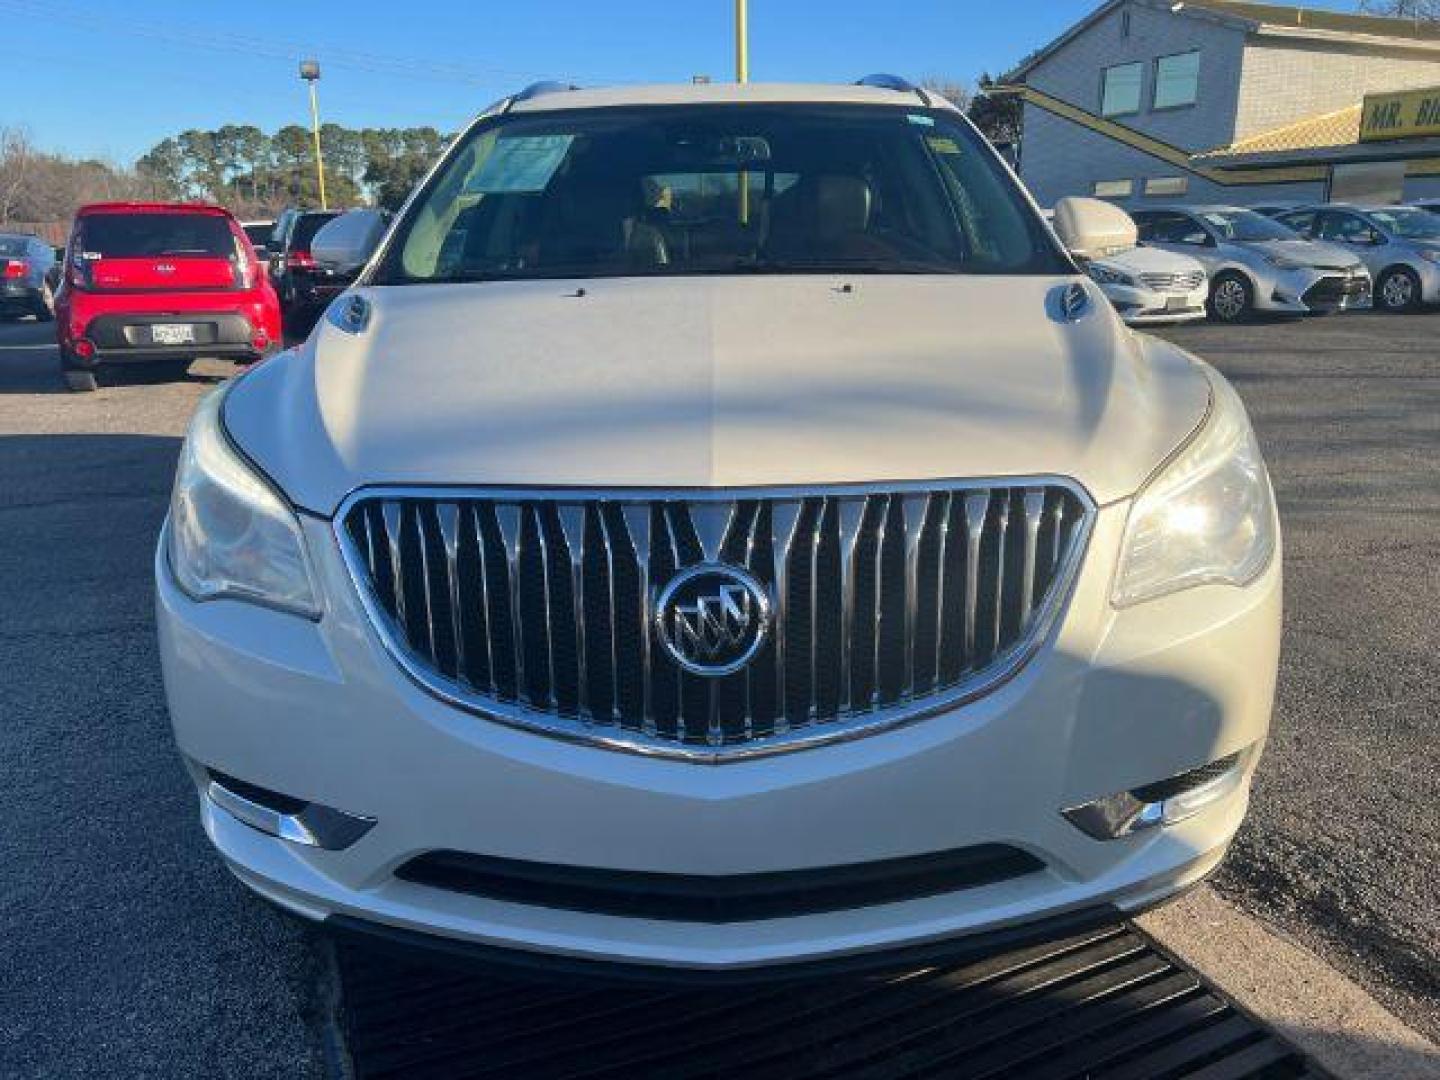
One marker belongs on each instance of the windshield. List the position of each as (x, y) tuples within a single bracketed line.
[(1408, 222), (142, 236), (718, 190), (308, 226), (1247, 226), (13, 245)]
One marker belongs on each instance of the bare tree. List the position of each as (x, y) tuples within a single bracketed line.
[(958, 94), (1423, 10), (17, 166)]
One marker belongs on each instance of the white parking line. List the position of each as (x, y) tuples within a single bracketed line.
[(1328, 1017)]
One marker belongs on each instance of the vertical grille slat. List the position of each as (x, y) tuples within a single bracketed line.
[(913, 509), (508, 517), (784, 522), (878, 610), (852, 514), (637, 526), (541, 605), (977, 509), (547, 605), (1034, 512), (489, 620), (572, 526), (390, 517), (448, 515)]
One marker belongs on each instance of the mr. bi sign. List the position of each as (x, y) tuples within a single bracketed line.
[(1404, 115)]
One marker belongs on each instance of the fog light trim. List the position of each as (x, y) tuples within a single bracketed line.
[(1187, 794), (306, 823)]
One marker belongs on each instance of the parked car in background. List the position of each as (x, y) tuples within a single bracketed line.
[(259, 234), (1257, 264), (1149, 286), (722, 532), (297, 280), (1400, 245), (160, 283), (1275, 209), (26, 263), (362, 227)]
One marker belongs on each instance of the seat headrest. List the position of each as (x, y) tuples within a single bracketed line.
[(842, 205)]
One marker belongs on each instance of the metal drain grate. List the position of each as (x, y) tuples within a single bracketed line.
[(1100, 1004)]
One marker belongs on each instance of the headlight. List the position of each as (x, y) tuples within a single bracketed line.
[(230, 534), (1106, 276), (1282, 263), (1207, 516)]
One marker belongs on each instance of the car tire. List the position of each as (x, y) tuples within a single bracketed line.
[(80, 381), (1398, 289), (45, 306), (1232, 297)]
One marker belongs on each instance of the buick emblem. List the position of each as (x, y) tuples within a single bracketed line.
[(712, 619)]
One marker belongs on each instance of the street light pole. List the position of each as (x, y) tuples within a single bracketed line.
[(742, 41), (310, 72)]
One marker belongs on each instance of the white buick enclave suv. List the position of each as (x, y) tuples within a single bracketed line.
[(721, 532)]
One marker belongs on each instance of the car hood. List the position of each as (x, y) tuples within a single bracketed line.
[(1309, 253), (699, 382), (1149, 260)]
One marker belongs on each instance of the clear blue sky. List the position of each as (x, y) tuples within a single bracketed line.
[(110, 78)]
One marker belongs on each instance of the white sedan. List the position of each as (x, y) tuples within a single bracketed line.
[(1149, 286)]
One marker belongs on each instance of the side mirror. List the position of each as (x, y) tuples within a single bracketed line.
[(1092, 229), (346, 243)]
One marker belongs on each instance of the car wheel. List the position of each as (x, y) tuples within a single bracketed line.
[(45, 306), (1231, 297), (1398, 289), (81, 382)]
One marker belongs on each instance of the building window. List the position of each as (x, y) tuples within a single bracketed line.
[(1177, 80), (1113, 189), (1125, 23), (1120, 89), (1167, 185)]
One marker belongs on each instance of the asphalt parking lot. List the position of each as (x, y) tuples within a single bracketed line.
[(130, 951)]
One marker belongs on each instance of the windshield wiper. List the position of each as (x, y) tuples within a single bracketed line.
[(842, 266)]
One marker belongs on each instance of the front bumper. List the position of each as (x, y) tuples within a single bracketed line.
[(320, 712), (1313, 291), (1142, 306)]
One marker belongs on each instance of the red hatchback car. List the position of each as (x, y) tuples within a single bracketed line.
[(161, 282)]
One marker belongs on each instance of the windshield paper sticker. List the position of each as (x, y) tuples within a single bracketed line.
[(523, 164), (921, 119)]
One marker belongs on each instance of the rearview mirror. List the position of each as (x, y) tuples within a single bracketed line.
[(346, 243), (1092, 229)]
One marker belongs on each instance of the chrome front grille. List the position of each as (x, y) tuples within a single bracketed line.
[(1174, 282), (535, 608)]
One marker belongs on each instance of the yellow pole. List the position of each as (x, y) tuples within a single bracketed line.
[(742, 41), (315, 130), (742, 75)]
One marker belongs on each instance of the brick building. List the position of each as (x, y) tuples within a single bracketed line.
[(1228, 101)]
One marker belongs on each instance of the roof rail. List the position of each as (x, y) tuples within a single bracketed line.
[(546, 86), (888, 82)]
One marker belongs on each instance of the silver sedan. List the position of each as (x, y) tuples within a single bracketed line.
[(1400, 245), (1256, 264)]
